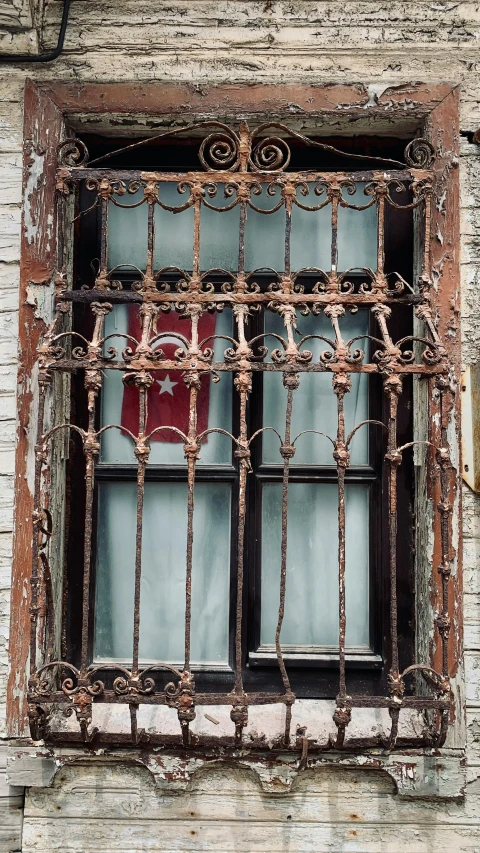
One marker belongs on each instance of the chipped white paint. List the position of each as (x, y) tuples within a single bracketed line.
[(120, 806), (34, 177), (374, 92)]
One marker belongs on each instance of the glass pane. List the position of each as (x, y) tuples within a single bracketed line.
[(311, 240), (357, 233), (173, 231), (219, 234), (265, 233), (168, 396), (311, 601), (314, 402), (162, 615), (127, 232)]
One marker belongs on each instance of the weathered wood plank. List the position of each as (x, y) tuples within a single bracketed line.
[(16, 14), (396, 16), (328, 795), (46, 836), (9, 233)]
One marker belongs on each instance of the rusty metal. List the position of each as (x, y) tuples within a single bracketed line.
[(244, 163)]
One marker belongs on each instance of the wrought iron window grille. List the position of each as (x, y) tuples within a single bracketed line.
[(245, 163)]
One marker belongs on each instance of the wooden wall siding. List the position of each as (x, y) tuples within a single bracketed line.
[(379, 44), (18, 30), (11, 810)]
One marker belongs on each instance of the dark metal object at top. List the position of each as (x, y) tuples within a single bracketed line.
[(225, 150)]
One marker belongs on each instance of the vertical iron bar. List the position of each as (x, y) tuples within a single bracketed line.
[(142, 451), (143, 380), (192, 381), (291, 382), (288, 194), (91, 449), (150, 192), (102, 273), (393, 388), (197, 191), (44, 382), (341, 385), (380, 280), (243, 384), (186, 710), (334, 192)]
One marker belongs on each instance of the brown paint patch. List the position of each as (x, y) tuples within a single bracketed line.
[(43, 125), (444, 134), (178, 98)]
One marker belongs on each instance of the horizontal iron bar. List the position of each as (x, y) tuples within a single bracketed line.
[(354, 473), (109, 697), (67, 365), (205, 743), (165, 473), (80, 173), (213, 473), (186, 297)]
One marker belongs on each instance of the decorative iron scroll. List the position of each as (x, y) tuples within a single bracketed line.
[(251, 163), (256, 151)]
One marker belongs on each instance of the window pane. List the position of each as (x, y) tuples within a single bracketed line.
[(168, 390), (314, 402), (311, 602), (265, 233), (127, 231), (219, 234), (173, 231), (162, 616), (357, 232)]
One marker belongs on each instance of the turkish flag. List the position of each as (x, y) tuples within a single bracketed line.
[(168, 398)]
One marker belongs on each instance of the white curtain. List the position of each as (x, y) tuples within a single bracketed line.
[(164, 545), (311, 601)]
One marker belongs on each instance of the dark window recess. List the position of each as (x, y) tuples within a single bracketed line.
[(239, 523)]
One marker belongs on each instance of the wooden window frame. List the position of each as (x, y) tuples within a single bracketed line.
[(50, 109)]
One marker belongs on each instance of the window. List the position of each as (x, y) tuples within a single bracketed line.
[(239, 350)]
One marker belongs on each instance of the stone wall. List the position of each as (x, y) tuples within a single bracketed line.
[(96, 806)]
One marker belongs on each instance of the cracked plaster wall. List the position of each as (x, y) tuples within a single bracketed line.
[(202, 41)]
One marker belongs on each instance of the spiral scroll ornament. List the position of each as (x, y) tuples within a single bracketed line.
[(419, 153), (72, 152), (270, 155), (220, 151)]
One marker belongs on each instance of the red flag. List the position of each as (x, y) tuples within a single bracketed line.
[(168, 396)]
